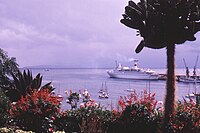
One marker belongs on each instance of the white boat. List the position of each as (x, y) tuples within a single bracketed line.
[(133, 73), (103, 95), (103, 92), (192, 96), (129, 90)]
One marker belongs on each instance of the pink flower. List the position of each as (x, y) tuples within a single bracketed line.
[(96, 104), (51, 130), (53, 118), (82, 105)]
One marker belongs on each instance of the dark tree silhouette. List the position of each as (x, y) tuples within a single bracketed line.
[(164, 23), (24, 84), (8, 66)]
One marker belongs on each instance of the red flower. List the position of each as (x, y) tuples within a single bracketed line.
[(121, 103)]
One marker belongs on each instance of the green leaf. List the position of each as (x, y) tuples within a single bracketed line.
[(140, 46)]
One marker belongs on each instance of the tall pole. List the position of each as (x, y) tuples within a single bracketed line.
[(170, 87)]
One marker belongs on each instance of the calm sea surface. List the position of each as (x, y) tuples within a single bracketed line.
[(92, 79)]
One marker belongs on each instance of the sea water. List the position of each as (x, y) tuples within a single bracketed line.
[(92, 80)]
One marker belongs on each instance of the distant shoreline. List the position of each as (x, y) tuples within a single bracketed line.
[(90, 68)]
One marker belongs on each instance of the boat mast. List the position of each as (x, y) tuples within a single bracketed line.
[(194, 74), (116, 64), (135, 64), (106, 89), (187, 69)]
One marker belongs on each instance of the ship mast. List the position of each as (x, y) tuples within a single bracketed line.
[(187, 69), (194, 71)]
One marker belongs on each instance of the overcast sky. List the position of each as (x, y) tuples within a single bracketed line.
[(77, 33)]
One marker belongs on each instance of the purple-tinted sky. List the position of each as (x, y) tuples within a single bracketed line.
[(77, 33)]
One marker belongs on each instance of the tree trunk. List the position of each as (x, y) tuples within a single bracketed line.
[(170, 86)]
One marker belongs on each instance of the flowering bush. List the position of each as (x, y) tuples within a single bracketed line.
[(145, 99), (89, 104), (144, 114), (90, 117), (187, 118), (36, 111), (137, 114), (40, 112), (73, 99), (86, 119)]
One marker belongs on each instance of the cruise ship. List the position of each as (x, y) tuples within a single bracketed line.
[(134, 72)]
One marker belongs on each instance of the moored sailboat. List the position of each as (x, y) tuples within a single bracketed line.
[(103, 92)]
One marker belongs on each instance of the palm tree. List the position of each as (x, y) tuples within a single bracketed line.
[(164, 23), (25, 84)]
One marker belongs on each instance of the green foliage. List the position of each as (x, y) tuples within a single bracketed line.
[(4, 107), (88, 119), (7, 66), (25, 81), (24, 84), (163, 22), (40, 112), (137, 118), (13, 130), (138, 114), (187, 118), (73, 99)]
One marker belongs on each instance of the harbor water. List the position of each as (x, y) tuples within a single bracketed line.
[(92, 79)]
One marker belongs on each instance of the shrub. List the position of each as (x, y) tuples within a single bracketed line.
[(187, 118), (24, 83), (4, 107), (87, 119), (12, 130), (73, 99), (135, 113), (40, 112), (94, 119), (36, 111), (138, 114), (8, 66)]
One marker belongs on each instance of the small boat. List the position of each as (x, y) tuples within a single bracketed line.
[(103, 95), (103, 92), (129, 90), (132, 72), (192, 96)]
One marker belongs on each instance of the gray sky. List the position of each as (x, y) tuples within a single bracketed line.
[(77, 33)]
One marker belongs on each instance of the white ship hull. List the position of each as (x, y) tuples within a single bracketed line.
[(132, 75)]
